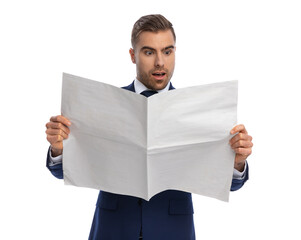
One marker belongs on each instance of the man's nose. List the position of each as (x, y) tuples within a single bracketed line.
[(159, 62)]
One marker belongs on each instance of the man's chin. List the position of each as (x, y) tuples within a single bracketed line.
[(159, 84)]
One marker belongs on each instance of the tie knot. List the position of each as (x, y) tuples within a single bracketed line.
[(148, 93)]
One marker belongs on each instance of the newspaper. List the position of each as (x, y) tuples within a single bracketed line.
[(125, 143)]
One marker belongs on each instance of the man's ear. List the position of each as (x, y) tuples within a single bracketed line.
[(132, 53)]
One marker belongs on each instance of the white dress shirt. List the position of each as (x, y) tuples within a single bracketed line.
[(139, 87)]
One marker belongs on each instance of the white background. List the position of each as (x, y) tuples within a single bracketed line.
[(255, 42)]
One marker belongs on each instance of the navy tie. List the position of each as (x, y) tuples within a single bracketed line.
[(148, 93)]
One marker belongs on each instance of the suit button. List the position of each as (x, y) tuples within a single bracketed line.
[(139, 201)]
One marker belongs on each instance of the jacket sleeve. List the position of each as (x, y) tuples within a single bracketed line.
[(57, 169), (238, 183)]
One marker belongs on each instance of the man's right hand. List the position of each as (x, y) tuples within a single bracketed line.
[(57, 131)]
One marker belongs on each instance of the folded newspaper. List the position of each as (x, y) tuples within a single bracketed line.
[(125, 143)]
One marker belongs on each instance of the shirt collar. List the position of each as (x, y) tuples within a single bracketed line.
[(139, 87)]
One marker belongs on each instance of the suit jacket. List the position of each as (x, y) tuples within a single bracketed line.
[(167, 215)]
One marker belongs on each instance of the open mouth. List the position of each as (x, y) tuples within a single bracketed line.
[(159, 74)]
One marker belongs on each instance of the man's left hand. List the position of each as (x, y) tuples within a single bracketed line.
[(242, 144)]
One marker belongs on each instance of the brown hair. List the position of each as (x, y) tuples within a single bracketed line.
[(150, 23)]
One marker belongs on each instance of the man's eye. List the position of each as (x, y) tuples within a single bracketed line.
[(167, 52), (148, 53)]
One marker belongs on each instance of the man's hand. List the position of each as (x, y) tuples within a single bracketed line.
[(57, 131), (242, 144)]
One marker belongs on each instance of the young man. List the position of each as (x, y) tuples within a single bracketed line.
[(169, 214)]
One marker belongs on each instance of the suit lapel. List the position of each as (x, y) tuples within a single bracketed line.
[(171, 87), (130, 87)]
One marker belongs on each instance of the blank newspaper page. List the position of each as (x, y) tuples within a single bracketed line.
[(188, 135), (125, 143), (106, 145)]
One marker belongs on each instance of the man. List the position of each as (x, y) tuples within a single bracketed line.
[(169, 214)]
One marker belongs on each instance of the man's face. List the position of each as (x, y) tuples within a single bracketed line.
[(154, 56)]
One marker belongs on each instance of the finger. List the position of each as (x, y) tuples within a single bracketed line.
[(240, 136), (242, 143), (61, 119), (51, 131), (239, 128), (54, 138), (58, 125), (243, 151)]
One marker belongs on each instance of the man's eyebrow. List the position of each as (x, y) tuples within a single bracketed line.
[(171, 46), (150, 48), (147, 47)]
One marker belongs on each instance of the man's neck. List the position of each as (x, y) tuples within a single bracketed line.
[(140, 87)]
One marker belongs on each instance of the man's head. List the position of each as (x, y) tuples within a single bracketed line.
[(153, 50)]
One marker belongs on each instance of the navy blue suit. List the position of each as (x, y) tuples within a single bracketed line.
[(167, 215)]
